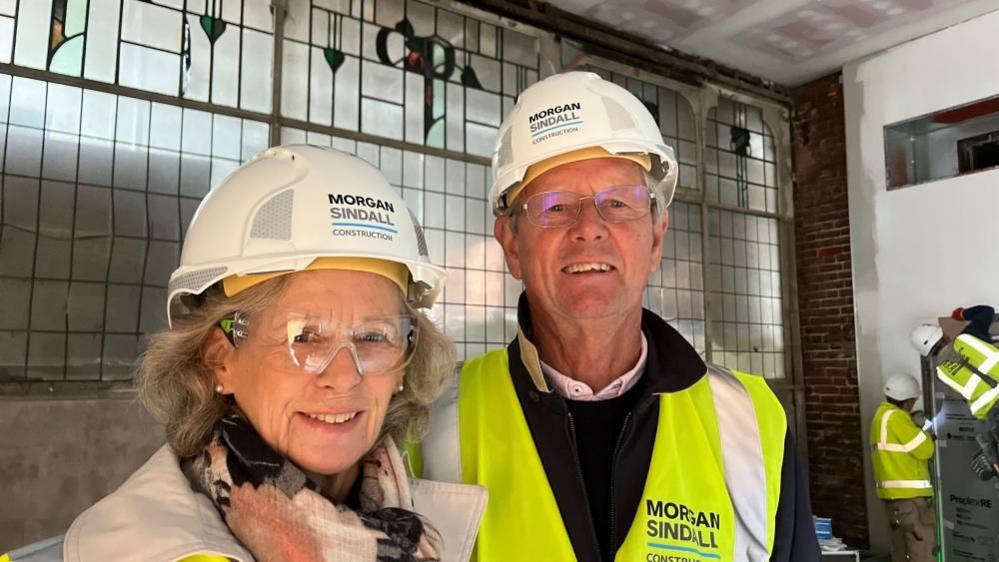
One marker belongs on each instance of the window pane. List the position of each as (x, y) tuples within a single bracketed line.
[(746, 299), (675, 291), (739, 165), (111, 198)]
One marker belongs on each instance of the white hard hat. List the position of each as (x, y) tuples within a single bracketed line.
[(925, 338), (901, 387), (577, 112), (292, 205)]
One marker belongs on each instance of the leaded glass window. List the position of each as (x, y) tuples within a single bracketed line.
[(744, 280), (216, 51), (740, 158), (676, 289), (144, 105), (745, 270), (97, 191), (404, 70)]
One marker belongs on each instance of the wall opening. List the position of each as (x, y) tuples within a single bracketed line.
[(944, 144)]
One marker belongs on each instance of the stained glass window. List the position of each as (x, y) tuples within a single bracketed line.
[(404, 70), (740, 158), (147, 104), (216, 51)]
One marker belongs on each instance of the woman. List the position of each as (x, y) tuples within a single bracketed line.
[(294, 363)]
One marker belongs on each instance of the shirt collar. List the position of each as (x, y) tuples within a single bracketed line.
[(674, 364), (573, 389)]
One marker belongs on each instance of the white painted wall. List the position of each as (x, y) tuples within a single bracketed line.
[(918, 252)]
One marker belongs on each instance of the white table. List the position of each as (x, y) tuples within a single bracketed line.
[(841, 555)]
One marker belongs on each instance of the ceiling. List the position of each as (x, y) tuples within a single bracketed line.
[(787, 41)]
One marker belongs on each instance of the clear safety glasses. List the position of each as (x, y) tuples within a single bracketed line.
[(377, 345), (554, 209)]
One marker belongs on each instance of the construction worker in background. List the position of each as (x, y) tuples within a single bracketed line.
[(971, 368), (599, 432), (901, 471)]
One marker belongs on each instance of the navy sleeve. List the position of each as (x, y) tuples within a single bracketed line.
[(794, 534), (980, 321)]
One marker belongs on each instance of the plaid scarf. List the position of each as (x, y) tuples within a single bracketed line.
[(280, 514)]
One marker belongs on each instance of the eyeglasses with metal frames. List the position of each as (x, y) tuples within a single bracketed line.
[(556, 209)]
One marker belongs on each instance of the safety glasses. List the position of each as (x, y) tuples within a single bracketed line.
[(377, 345), (555, 209)]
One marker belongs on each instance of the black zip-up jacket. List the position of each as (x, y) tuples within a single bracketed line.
[(672, 365)]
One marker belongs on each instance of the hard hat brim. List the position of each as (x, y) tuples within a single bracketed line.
[(590, 153)]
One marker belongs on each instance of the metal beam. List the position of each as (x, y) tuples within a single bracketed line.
[(97, 86), (279, 9)]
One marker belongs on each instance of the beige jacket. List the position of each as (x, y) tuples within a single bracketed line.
[(155, 516)]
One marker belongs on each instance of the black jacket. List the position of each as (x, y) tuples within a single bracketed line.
[(672, 364)]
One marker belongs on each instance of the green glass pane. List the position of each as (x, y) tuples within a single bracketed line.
[(214, 27), (438, 111), (68, 57), (435, 136)]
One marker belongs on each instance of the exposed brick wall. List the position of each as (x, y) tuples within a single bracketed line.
[(825, 298)]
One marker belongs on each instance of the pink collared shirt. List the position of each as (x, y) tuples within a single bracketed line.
[(571, 389)]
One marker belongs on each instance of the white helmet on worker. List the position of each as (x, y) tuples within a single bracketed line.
[(925, 338), (577, 116), (292, 208), (901, 387)]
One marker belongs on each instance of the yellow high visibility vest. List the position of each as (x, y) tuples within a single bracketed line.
[(686, 511), (900, 451), (981, 396)]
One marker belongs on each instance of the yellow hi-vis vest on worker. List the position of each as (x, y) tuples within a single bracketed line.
[(900, 452), (712, 487), (967, 382)]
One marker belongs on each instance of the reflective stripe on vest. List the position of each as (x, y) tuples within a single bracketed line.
[(884, 445), (976, 391), (990, 355), (981, 367), (696, 501), (982, 404), (905, 484), (965, 390)]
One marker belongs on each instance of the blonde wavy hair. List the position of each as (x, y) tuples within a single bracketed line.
[(177, 387)]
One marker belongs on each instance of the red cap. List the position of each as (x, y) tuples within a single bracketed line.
[(958, 313)]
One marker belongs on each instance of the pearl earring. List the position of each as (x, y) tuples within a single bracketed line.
[(399, 388), (219, 388)]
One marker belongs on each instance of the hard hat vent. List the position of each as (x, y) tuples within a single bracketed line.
[(273, 220), (193, 281), (617, 116), (421, 240)]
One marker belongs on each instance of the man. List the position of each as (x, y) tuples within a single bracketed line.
[(971, 368), (974, 374), (599, 432), (900, 452)]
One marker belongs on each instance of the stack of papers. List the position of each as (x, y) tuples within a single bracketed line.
[(832, 545), (823, 532)]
